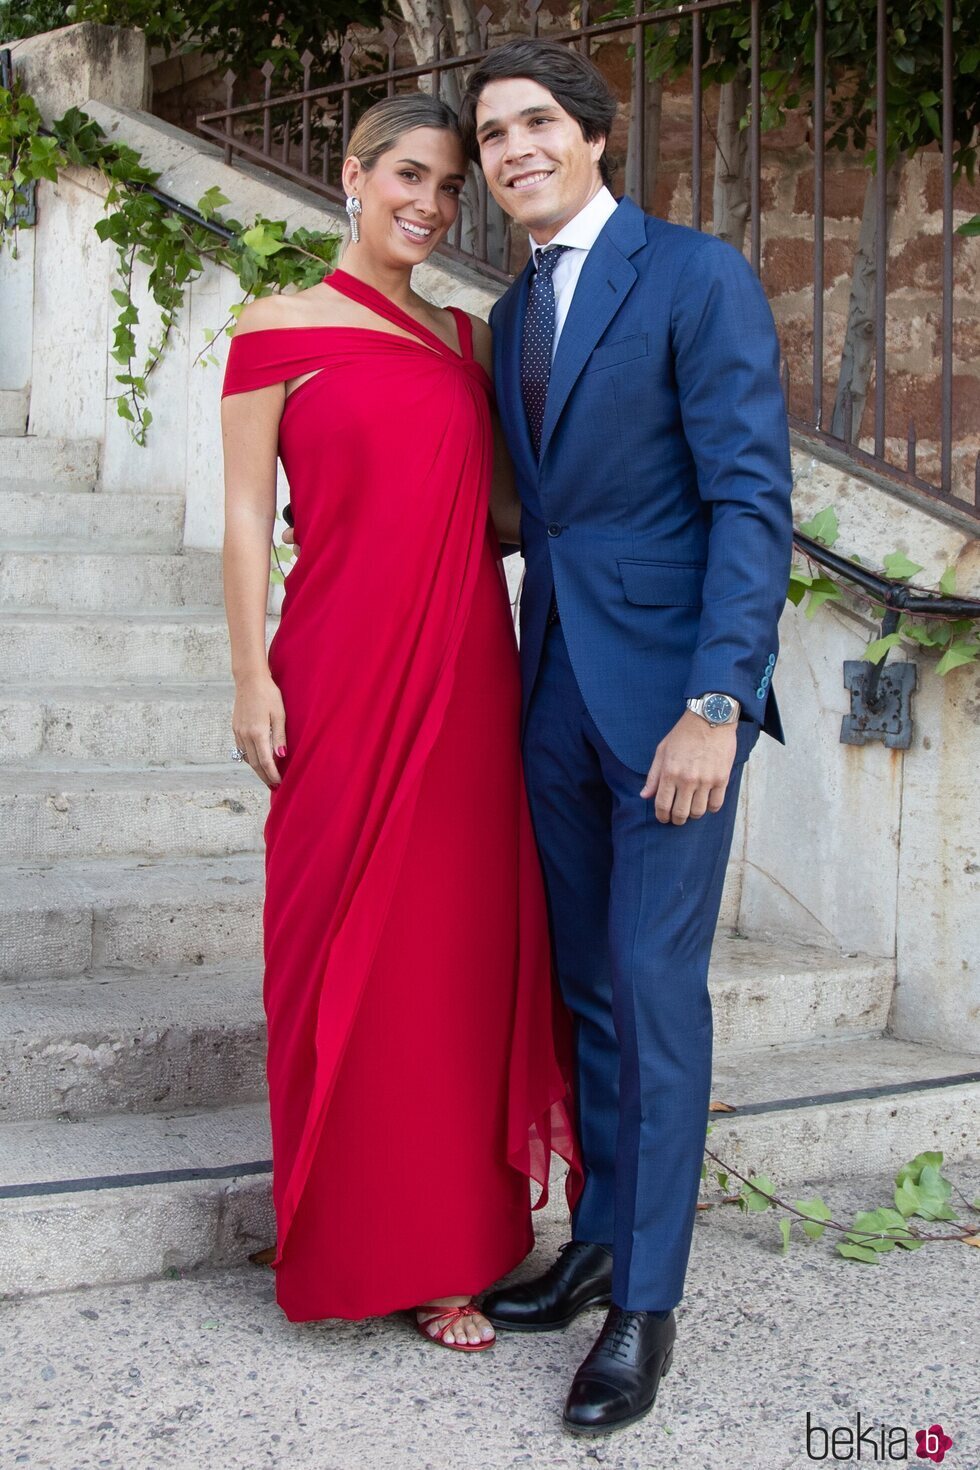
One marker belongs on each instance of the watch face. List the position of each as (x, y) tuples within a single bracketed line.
[(718, 709)]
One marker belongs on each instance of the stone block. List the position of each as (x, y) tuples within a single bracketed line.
[(157, 1042), (70, 463), (51, 519), (203, 812), (66, 581), (65, 67)]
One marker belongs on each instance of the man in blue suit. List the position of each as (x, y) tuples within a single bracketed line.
[(636, 367)]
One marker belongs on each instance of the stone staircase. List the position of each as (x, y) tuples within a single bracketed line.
[(133, 1135)]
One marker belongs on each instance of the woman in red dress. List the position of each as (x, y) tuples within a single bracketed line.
[(413, 1037)]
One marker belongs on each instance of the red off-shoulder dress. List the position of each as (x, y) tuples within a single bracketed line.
[(414, 1033)]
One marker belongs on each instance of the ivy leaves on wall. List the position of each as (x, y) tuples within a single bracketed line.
[(148, 232), (956, 639)]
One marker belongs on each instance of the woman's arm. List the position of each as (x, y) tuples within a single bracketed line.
[(250, 431), (505, 505)]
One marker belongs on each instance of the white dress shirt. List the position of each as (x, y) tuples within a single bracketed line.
[(580, 234)]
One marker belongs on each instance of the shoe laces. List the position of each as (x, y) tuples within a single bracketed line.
[(620, 1335)]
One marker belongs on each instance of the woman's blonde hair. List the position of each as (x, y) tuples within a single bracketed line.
[(383, 124)]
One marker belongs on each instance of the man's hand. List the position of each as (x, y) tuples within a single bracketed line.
[(288, 538), (690, 770)]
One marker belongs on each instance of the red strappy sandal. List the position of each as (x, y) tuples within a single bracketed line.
[(448, 1317)]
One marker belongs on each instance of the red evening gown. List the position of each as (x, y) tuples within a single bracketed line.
[(414, 1036)]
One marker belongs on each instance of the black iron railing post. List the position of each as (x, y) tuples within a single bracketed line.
[(881, 221), (946, 432), (819, 152)]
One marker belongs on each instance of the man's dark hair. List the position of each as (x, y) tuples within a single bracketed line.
[(574, 81)]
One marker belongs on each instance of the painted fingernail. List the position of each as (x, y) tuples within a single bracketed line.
[(281, 751)]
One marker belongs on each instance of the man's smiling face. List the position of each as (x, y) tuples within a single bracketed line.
[(538, 166)]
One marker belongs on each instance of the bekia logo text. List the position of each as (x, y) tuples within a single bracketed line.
[(874, 1442)]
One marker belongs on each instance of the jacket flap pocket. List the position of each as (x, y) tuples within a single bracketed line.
[(661, 583), (624, 349)]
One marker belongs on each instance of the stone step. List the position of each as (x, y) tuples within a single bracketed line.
[(177, 1038), (766, 992), (818, 1110), (66, 520), (117, 725), (122, 1197), (137, 647), (64, 919), (170, 1040), (57, 461), (209, 1211), (204, 811), (65, 581)]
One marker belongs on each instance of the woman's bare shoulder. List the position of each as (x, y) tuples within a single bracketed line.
[(284, 309)]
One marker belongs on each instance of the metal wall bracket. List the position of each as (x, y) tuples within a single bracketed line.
[(25, 213), (881, 703)]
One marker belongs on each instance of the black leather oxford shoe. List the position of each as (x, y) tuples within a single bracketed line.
[(581, 1277), (618, 1382)]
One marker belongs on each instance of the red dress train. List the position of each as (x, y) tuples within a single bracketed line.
[(414, 1033)]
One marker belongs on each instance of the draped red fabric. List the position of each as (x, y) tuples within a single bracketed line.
[(418, 1057)]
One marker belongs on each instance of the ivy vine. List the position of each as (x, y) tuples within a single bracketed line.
[(148, 232), (921, 1192), (957, 639)]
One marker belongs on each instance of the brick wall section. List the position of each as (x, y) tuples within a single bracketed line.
[(914, 278)]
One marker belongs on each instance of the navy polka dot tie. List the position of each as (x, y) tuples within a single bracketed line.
[(538, 340)]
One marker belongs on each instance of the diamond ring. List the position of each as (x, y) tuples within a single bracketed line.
[(238, 754)]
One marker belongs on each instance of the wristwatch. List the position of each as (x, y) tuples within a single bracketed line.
[(717, 709)]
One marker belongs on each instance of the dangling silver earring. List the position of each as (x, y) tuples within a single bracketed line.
[(353, 210)]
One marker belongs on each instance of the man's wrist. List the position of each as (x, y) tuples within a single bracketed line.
[(717, 709)]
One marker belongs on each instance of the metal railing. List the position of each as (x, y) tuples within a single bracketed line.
[(304, 134)]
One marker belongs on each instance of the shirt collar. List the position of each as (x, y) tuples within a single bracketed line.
[(582, 232)]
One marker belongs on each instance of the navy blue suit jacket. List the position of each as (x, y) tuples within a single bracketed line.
[(659, 509)]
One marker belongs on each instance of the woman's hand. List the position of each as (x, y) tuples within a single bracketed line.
[(259, 724)]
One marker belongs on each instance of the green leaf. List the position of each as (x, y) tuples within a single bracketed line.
[(823, 590), (857, 1253), (876, 651), (785, 1226), (262, 239), (799, 584), (816, 1212), (824, 527), (962, 652), (923, 633), (907, 1198), (211, 201), (722, 1179), (947, 582), (898, 566), (755, 1200)]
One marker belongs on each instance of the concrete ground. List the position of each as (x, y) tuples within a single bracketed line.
[(206, 1372)]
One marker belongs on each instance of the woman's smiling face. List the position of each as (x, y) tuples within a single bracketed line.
[(410, 198), (539, 167)]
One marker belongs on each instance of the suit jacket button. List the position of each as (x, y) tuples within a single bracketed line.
[(554, 529)]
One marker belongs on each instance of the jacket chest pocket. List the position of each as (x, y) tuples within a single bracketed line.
[(624, 349)]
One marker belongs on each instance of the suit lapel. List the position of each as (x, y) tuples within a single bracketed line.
[(605, 282)]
